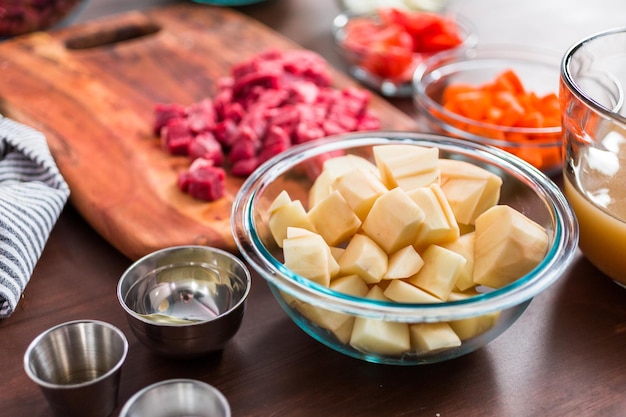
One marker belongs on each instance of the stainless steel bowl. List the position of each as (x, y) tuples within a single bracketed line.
[(185, 301), (177, 397)]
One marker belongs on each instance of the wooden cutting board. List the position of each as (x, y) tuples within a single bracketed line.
[(92, 88)]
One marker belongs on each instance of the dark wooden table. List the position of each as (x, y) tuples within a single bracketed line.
[(566, 356)]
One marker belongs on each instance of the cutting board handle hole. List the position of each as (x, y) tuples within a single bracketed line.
[(111, 36)]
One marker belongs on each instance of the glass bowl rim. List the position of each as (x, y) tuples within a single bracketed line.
[(561, 251), (485, 53), (573, 87)]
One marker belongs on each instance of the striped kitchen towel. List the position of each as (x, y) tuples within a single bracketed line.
[(32, 196)]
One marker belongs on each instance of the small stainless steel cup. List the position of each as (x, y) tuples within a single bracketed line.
[(177, 397), (78, 365), (185, 301)]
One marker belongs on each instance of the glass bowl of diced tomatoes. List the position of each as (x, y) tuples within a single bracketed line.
[(500, 95), (383, 49)]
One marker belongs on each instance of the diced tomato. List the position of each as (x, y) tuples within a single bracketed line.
[(389, 42)]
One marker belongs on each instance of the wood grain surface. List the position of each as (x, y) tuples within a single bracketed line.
[(92, 88)]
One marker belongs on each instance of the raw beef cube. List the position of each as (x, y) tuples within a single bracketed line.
[(201, 116), (303, 92), (226, 132), (244, 167), (307, 131), (233, 111), (368, 121), (286, 117), (334, 127), (245, 146), (245, 85), (205, 146), (308, 65), (268, 99), (163, 113), (276, 141), (203, 180), (176, 136)]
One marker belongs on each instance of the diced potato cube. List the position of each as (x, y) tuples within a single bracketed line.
[(403, 263), (333, 265), (320, 188), (309, 256), (344, 332), (474, 326), (469, 189), (464, 246), (351, 285), (393, 221), (403, 292), (364, 258), (360, 188), (508, 245), (291, 214), (281, 200), (441, 269), (333, 218), (439, 224), (431, 337), (327, 319), (407, 166), (380, 336), (334, 168)]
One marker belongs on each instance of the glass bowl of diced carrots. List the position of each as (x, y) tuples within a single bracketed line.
[(383, 48), (500, 95)]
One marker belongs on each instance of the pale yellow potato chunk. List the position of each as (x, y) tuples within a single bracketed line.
[(403, 263), (337, 252), (309, 256), (334, 168), (360, 188), (282, 199), (464, 246), (320, 188), (407, 166), (393, 221), (333, 266), (334, 219), (439, 225), (291, 214), (379, 336), (469, 189), (432, 337), (363, 257), (472, 326), (340, 324), (441, 269), (403, 292), (351, 285), (508, 245)]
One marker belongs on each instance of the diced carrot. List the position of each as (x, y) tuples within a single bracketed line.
[(508, 80), (474, 104), (532, 119), (505, 102), (453, 90)]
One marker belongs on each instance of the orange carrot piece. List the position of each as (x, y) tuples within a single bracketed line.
[(504, 102)]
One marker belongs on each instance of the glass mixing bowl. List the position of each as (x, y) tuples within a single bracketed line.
[(309, 304)]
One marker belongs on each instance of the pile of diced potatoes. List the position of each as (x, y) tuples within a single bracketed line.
[(409, 227)]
